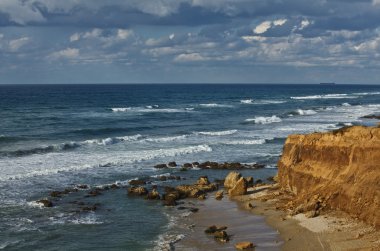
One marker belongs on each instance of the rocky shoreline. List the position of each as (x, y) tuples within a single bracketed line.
[(327, 189)]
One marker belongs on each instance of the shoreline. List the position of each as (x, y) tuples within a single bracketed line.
[(333, 230)]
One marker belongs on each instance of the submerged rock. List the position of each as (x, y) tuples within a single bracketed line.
[(137, 182), (160, 166), (137, 191), (45, 202), (172, 164), (244, 245), (153, 195)]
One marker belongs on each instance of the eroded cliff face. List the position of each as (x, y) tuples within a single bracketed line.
[(341, 168)]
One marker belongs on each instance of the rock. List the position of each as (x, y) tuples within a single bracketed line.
[(257, 166), (45, 202), (169, 202), (89, 208), (153, 195), (172, 164), (183, 169), (162, 178), (259, 181), (244, 245), (371, 117), (202, 197), (311, 214), (251, 206), (187, 165), (94, 192), (221, 236), (137, 182), (114, 186), (231, 179), (194, 209), (213, 229), (56, 194), (249, 181), (219, 195), (240, 188), (203, 180), (82, 186), (195, 164), (271, 179), (137, 191), (160, 166)]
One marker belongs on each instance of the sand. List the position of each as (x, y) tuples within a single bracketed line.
[(329, 231)]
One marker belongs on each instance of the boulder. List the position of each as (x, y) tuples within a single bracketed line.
[(187, 165), (219, 195), (212, 229), (172, 164), (221, 236), (137, 191), (203, 180), (153, 195), (56, 194), (160, 166), (244, 245), (137, 182), (169, 202), (45, 202), (240, 188), (231, 179), (82, 186), (195, 163), (249, 181)]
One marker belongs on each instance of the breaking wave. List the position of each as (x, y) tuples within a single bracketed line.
[(326, 96), (264, 120), (218, 133), (214, 105)]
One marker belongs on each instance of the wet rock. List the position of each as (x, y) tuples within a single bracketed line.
[(202, 197), (221, 236), (208, 165), (45, 202), (153, 195), (219, 182), (172, 164), (271, 179), (160, 166), (240, 188), (203, 180), (195, 164), (194, 209), (219, 195), (257, 166), (183, 169), (244, 245), (196, 190), (114, 186), (82, 186), (187, 165), (89, 208), (231, 179), (371, 116), (162, 178), (259, 181), (213, 229), (178, 177), (137, 191), (56, 194), (137, 182), (249, 181), (169, 202), (94, 192)]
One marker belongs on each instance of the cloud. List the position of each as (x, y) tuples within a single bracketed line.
[(68, 53), (16, 44), (189, 57), (263, 27)]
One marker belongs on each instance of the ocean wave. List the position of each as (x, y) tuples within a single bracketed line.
[(366, 93), (149, 109), (166, 139), (111, 141), (326, 96), (215, 105), (167, 241), (264, 120), (305, 112), (68, 146), (261, 102), (245, 142), (217, 133), (346, 104)]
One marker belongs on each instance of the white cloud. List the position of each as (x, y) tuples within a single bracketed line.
[(376, 2), (69, 53), (74, 37), (21, 12), (263, 27), (250, 39), (16, 44), (304, 24), (189, 57), (171, 37), (124, 34), (279, 22)]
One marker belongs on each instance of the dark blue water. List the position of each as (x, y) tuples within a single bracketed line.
[(57, 136)]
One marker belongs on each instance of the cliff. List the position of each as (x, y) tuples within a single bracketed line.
[(338, 170)]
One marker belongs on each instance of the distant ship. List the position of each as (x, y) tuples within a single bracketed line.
[(332, 83)]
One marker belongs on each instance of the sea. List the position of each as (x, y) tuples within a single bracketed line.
[(54, 137)]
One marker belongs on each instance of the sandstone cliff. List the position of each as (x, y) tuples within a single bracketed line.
[(340, 168)]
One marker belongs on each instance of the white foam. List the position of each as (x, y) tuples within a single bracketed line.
[(166, 241), (366, 93), (110, 141), (214, 105), (246, 101), (218, 133), (326, 96), (148, 109), (166, 139), (265, 120), (246, 142), (305, 112), (121, 109), (346, 104)]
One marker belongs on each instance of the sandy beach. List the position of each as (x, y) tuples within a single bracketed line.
[(329, 231)]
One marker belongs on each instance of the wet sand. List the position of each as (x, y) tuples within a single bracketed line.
[(272, 229)]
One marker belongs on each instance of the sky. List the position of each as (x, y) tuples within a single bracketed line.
[(189, 41)]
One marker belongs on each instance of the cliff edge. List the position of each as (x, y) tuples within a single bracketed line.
[(335, 170)]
